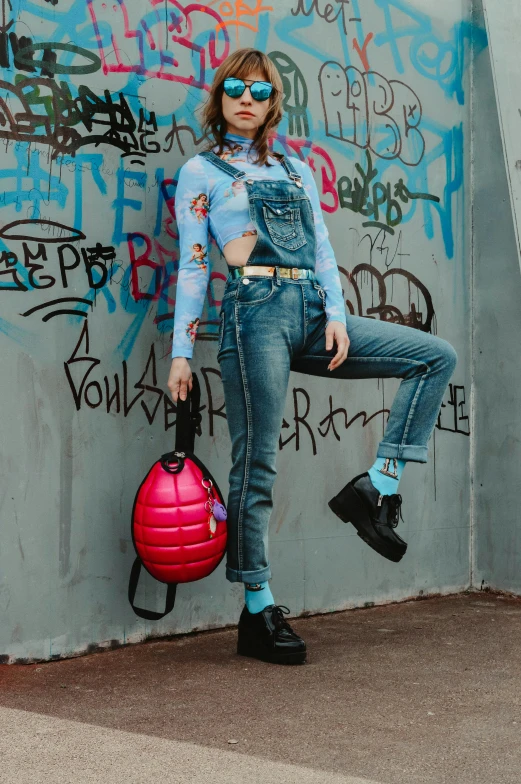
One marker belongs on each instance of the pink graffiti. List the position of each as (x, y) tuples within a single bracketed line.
[(128, 49), (152, 277), (326, 167)]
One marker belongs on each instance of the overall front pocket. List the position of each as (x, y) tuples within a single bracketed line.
[(284, 224)]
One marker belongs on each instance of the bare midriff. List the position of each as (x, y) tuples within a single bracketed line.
[(237, 251)]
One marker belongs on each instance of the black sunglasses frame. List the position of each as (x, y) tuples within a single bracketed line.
[(257, 81)]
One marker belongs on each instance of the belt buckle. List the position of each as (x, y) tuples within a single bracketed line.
[(294, 273)]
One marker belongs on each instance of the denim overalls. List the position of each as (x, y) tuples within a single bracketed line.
[(271, 325)]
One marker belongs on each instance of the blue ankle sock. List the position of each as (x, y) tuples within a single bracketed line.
[(258, 596), (386, 485)]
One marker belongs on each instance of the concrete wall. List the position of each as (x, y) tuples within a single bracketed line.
[(95, 133), (497, 370), (503, 26)]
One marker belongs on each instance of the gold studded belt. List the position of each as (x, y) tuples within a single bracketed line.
[(284, 272)]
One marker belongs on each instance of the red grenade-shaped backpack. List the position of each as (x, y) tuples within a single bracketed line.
[(179, 517)]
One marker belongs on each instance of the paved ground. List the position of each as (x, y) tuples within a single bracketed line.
[(426, 691)]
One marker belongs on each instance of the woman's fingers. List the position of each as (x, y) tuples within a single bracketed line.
[(185, 385), (337, 359), (329, 339), (180, 379), (342, 341)]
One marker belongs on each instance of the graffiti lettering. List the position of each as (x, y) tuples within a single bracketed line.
[(369, 198), (328, 13), (452, 416), (97, 264), (49, 63), (146, 49), (418, 310), (367, 110), (40, 110), (295, 93)]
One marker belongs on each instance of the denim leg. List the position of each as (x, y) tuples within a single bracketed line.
[(381, 349), (254, 360)]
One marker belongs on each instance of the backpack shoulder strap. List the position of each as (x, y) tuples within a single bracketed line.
[(188, 418), (148, 615)]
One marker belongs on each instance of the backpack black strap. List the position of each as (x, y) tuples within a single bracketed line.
[(148, 615), (188, 418)]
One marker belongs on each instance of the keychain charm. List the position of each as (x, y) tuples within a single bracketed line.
[(212, 525), (216, 510), (219, 511)]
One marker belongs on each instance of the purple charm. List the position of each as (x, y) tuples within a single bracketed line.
[(219, 512)]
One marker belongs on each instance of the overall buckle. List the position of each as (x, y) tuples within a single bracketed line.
[(297, 179)]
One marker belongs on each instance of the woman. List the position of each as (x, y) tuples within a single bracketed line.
[(282, 310)]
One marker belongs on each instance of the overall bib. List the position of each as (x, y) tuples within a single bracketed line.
[(271, 325)]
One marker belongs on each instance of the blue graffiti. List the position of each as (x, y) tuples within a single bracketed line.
[(442, 60), (31, 183)]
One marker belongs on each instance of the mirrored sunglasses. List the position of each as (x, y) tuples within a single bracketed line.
[(234, 88)]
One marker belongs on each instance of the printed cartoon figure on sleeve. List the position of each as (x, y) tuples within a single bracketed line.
[(191, 329), (198, 255), (192, 206), (199, 207)]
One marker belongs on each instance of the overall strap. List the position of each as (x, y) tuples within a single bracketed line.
[(225, 167), (238, 174), (290, 169)]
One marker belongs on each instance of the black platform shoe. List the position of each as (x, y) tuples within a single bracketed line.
[(375, 516), (267, 635)]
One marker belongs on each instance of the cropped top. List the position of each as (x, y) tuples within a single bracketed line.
[(207, 200)]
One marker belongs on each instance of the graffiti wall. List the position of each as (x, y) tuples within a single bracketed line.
[(99, 108), (497, 371)]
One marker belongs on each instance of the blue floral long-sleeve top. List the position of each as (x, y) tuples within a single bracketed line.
[(207, 200)]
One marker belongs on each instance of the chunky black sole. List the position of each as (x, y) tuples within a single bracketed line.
[(362, 524), (248, 649)]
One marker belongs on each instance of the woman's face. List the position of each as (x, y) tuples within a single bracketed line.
[(245, 124)]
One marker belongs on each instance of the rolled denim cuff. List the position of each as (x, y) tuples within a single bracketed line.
[(414, 453), (254, 576)]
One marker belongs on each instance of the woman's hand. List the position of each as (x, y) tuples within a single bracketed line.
[(336, 332), (180, 378)]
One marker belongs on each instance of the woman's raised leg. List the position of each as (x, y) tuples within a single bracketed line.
[(380, 349)]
